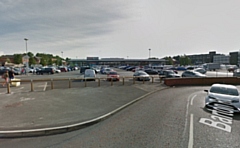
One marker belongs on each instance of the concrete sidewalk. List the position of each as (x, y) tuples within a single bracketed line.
[(63, 110)]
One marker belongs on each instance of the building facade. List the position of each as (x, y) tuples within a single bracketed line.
[(116, 62)]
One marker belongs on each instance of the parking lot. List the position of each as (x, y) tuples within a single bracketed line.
[(72, 79)]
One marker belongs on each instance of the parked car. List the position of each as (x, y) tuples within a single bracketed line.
[(151, 72), (223, 95), (192, 73), (106, 70), (89, 75), (57, 70), (47, 70), (141, 76), (181, 68), (232, 68), (63, 69), (169, 74), (83, 68), (113, 76), (16, 71), (201, 70), (2, 71), (130, 68), (236, 73)]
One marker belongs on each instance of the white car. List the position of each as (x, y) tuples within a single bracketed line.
[(89, 75), (223, 96)]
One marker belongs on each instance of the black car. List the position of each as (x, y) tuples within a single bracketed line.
[(130, 68), (151, 72), (83, 68), (45, 71)]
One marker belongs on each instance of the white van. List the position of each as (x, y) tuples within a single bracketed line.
[(89, 75)]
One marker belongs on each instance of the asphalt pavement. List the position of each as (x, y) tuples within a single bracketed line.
[(39, 113)]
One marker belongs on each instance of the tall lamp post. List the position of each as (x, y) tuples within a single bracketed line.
[(149, 53), (26, 44), (26, 58), (62, 57)]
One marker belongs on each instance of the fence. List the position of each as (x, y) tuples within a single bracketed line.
[(73, 82)]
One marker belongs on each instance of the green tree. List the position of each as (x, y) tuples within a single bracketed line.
[(17, 58), (32, 61), (169, 60), (50, 62), (8, 60), (30, 54), (43, 61), (184, 60)]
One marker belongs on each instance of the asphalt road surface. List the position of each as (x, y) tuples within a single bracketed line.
[(170, 118)]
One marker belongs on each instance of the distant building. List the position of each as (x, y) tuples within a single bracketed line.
[(197, 59), (234, 58), (116, 62), (221, 59)]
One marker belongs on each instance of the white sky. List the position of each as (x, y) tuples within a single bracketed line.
[(110, 29)]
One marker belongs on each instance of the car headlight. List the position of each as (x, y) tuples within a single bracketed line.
[(211, 98), (235, 101)]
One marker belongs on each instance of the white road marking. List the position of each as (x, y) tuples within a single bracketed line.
[(186, 118), (190, 141), (26, 99), (193, 99), (45, 86)]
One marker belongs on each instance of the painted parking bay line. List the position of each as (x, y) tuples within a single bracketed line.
[(190, 141)]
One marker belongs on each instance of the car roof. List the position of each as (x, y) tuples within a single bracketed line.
[(224, 85)]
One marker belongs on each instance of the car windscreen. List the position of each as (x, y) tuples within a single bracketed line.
[(142, 74), (224, 90)]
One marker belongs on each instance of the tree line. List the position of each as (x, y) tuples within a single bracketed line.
[(181, 60), (45, 59)]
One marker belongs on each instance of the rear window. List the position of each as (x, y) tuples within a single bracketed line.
[(113, 73)]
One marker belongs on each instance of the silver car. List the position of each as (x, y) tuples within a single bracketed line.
[(192, 73), (223, 97), (236, 73), (141, 76)]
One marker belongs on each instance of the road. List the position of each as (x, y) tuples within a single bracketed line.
[(173, 117)]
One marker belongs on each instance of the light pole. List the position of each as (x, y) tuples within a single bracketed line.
[(26, 44), (149, 53), (62, 57), (26, 58)]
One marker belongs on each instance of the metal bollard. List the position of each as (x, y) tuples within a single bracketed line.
[(133, 80), (98, 81), (8, 88), (152, 79), (32, 85), (160, 78), (111, 81), (123, 80), (85, 82)]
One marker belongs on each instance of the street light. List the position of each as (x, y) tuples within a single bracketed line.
[(26, 58), (62, 57), (149, 53), (26, 44)]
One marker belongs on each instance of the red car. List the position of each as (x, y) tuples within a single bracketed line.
[(63, 69), (113, 76)]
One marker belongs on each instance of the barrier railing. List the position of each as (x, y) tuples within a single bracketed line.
[(99, 81)]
